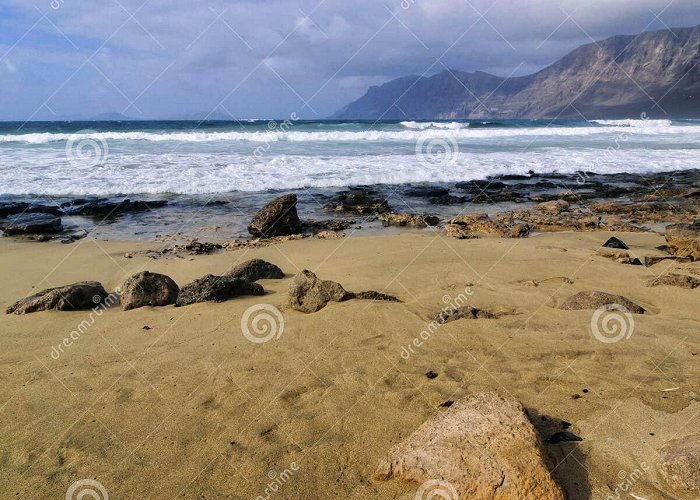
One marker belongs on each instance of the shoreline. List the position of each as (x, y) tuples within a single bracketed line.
[(192, 405)]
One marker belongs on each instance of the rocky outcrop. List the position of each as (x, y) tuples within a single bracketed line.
[(358, 202), (408, 220), (471, 225), (256, 269), (106, 208), (553, 207), (683, 240), (309, 294), (483, 447), (216, 289), (679, 465), (277, 218), (595, 300), (678, 280), (76, 297), (148, 289), (31, 223)]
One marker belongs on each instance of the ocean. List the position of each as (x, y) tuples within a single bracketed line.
[(244, 163)]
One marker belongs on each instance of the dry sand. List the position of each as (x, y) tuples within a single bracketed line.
[(192, 409)]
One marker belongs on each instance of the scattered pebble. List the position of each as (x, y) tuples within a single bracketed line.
[(146, 327), (431, 374), (447, 403)]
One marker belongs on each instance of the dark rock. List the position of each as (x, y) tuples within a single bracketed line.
[(319, 226), (447, 403), (481, 185), (76, 297), (359, 203), (216, 289), (684, 240), (563, 437), (277, 218), (448, 199), (309, 294), (616, 243), (256, 269), (464, 312), (372, 295), (431, 374), (148, 289), (408, 220), (29, 223), (427, 191), (678, 280), (104, 208), (596, 300)]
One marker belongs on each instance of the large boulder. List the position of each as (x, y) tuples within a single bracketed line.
[(76, 297), (277, 218), (309, 294), (596, 300), (31, 223), (483, 447), (684, 240), (148, 289), (679, 465), (216, 289), (256, 269)]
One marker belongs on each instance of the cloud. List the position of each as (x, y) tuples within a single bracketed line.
[(159, 58)]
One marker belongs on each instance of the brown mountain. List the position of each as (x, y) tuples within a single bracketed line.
[(657, 73)]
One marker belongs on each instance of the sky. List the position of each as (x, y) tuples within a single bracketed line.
[(161, 59)]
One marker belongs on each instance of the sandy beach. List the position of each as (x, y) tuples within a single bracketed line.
[(173, 402)]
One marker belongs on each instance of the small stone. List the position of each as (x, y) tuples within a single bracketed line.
[(563, 437), (256, 269), (616, 243), (148, 289), (431, 374), (309, 294)]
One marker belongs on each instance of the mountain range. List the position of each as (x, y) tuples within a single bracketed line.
[(655, 73)]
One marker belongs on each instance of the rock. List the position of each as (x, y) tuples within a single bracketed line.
[(427, 191), (329, 235), (408, 220), (148, 289), (464, 312), (359, 203), (448, 199), (596, 300), (684, 240), (372, 295), (553, 207), (679, 280), (651, 260), (620, 256), (483, 446), (216, 289), (481, 185), (309, 294), (256, 269), (277, 218), (470, 225), (563, 437), (104, 208), (679, 465), (616, 243), (31, 223), (76, 297)]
